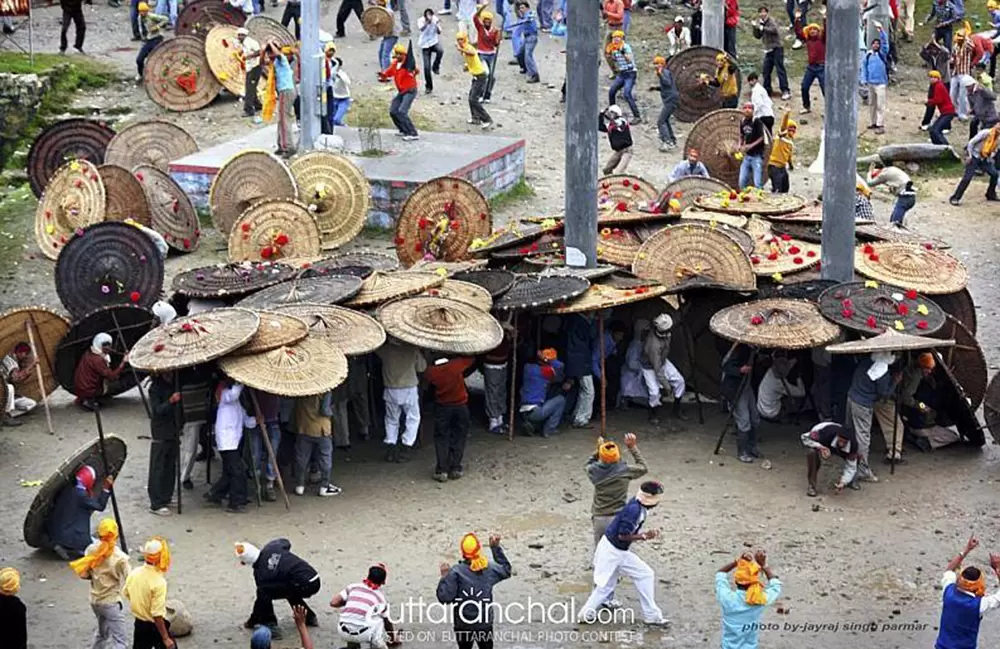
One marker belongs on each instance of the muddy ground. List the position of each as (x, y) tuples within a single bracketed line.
[(871, 559)]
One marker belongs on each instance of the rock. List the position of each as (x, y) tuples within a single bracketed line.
[(536, 546), (570, 497), (815, 508)]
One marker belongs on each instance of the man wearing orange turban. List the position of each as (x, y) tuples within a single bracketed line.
[(743, 607), (964, 601), (920, 397), (468, 587), (542, 405), (107, 568)]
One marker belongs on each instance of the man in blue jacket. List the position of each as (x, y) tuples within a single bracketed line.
[(964, 601), (67, 527), (875, 75), (538, 408)]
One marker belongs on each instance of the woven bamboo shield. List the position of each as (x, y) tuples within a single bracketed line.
[(47, 328), (375, 259), (353, 332), (782, 255), (153, 142), (66, 140), (177, 76), (337, 193), (65, 476), (273, 230), (465, 292), (514, 234), (718, 218), (535, 291), (230, 280), (775, 323), (496, 282), (224, 53), (605, 296), (322, 267), (264, 30), (200, 16), (618, 246), (929, 271), (312, 366), (449, 268), (632, 191), (51, 230), (73, 199), (327, 289), (441, 325), (696, 98), (590, 274), (377, 21), (961, 306), (811, 232), (890, 341), (957, 408), (243, 180), (873, 309), (965, 360), (125, 323), (124, 196), (991, 408), (173, 214), (194, 339), (381, 287), (717, 138), (898, 234), (695, 255), (108, 263), (686, 189), (275, 330), (752, 201), (441, 219), (793, 289)]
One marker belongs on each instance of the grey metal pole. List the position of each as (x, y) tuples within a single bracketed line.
[(310, 87), (713, 19), (840, 155), (583, 26)]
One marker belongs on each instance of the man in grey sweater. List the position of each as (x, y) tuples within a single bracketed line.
[(766, 29)]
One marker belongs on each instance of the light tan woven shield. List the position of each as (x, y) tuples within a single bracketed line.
[(467, 292), (337, 193), (381, 287), (312, 366), (911, 266), (687, 188), (450, 268), (264, 30), (732, 220), (124, 196), (245, 179), (717, 137), (889, 341), (194, 339), (604, 296), (224, 54), (48, 328), (618, 246), (695, 255), (75, 194), (783, 255), (441, 325), (274, 230), (752, 201), (173, 214), (874, 232), (275, 330), (177, 75), (153, 142), (632, 191), (51, 230), (441, 219), (355, 333), (377, 21), (775, 323)]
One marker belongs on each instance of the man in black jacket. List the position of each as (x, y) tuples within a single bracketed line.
[(670, 98), (163, 452), (619, 133), (278, 574), (72, 10), (468, 586)]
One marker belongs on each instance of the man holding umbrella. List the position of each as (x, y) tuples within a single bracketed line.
[(164, 450)]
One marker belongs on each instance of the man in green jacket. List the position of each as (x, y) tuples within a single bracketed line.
[(611, 475)]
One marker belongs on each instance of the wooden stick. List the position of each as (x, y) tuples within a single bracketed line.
[(513, 379), (179, 425), (107, 468), (38, 374), (739, 393), (270, 449), (135, 375), (604, 375)]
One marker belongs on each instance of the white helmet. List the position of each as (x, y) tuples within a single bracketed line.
[(615, 110)]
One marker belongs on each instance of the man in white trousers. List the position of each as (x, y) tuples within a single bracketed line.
[(17, 368), (400, 365), (614, 558), (658, 372)]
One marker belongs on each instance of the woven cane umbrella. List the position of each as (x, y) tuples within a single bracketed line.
[(775, 323), (230, 280), (68, 139), (871, 308), (959, 305), (929, 271), (275, 330), (173, 214), (717, 137), (224, 55), (245, 179), (264, 30), (590, 274), (449, 268), (273, 230), (353, 332), (378, 22), (441, 325), (618, 246), (337, 193), (311, 366), (782, 255), (811, 213), (375, 259), (124, 196), (695, 255), (75, 195), (687, 188), (465, 292), (514, 234), (605, 296), (752, 201), (631, 191), (381, 287), (688, 68), (194, 339), (328, 266), (47, 329), (441, 218), (327, 289), (200, 16), (719, 218), (538, 291), (153, 142), (965, 360), (177, 76), (898, 234), (811, 232), (889, 341), (495, 281)]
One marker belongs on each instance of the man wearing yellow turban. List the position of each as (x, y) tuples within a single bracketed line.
[(743, 606), (13, 614), (964, 601), (146, 591), (468, 587), (106, 567)]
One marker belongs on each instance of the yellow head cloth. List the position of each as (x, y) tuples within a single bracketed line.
[(608, 453), (461, 37), (399, 48), (934, 74), (107, 532), (486, 15), (720, 57), (156, 552), (977, 587), (992, 4), (142, 7), (10, 581), (472, 551), (618, 34), (747, 575), (864, 189), (811, 27)]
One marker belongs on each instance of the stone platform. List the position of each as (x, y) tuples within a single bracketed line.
[(492, 163)]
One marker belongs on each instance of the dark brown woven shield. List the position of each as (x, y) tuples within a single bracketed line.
[(807, 290), (47, 329), (245, 179), (495, 281), (991, 407), (688, 68), (200, 16), (90, 454), (708, 348), (515, 234), (441, 219), (177, 75), (264, 30), (956, 402), (126, 324), (532, 291), (961, 306), (154, 142), (873, 309), (717, 138), (875, 232), (965, 359), (230, 280), (173, 214), (69, 139), (377, 21), (124, 197), (328, 289), (332, 266), (375, 259), (685, 190), (108, 263), (810, 232)]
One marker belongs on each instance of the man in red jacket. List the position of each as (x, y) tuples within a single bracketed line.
[(446, 377), (729, 32), (814, 36), (938, 97), (404, 73)]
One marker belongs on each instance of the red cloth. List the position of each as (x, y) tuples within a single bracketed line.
[(489, 39), (732, 13), (894, 9), (940, 99), (815, 47), (406, 80), (448, 381), (614, 12), (91, 373)]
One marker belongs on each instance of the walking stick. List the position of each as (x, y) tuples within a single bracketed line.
[(38, 374), (107, 468), (604, 376), (513, 378), (895, 423), (270, 449), (739, 393), (135, 375), (179, 425), (689, 344), (253, 471)]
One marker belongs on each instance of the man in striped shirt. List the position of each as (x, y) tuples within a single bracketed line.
[(962, 62), (364, 613)]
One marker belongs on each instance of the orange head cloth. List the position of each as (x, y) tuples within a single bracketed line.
[(156, 552), (107, 532), (608, 453), (746, 575), (977, 587), (926, 361), (10, 581), (659, 61), (472, 551), (549, 355)]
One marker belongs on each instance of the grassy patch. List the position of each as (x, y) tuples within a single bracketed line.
[(17, 210), (371, 110), (519, 192)]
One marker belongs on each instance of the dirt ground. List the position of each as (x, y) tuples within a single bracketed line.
[(865, 564)]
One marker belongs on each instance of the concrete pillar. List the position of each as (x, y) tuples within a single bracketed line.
[(840, 155), (583, 43), (311, 75), (713, 19)]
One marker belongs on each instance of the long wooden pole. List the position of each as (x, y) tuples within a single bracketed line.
[(270, 449), (38, 374), (179, 425), (604, 374), (135, 375), (107, 468), (739, 393), (513, 379)]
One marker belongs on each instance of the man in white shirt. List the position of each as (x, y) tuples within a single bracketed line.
[(964, 600), (364, 612), (763, 108), (678, 36), (251, 63), (779, 382), (230, 419)]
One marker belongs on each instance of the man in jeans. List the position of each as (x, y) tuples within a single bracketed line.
[(769, 34), (446, 377), (814, 36), (487, 44), (625, 73), (537, 407), (270, 411), (670, 98), (230, 420), (526, 31), (315, 437), (480, 81), (982, 156), (737, 390), (869, 399), (752, 146), (405, 78), (495, 381)]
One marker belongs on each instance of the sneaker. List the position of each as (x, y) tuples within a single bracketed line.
[(138, 78), (785, 96), (237, 509), (660, 621), (428, 91), (399, 134), (665, 147), (440, 476), (486, 125), (455, 475), (954, 201), (79, 50), (473, 122), (444, 12), (854, 485), (612, 605), (805, 111), (636, 120), (10, 421), (887, 460), (188, 485), (330, 490), (162, 511), (746, 458), (811, 491), (411, 138), (269, 494), (797, 45), (300, 490), (945, 131), (487, 100), (533, 79), (924, 127)]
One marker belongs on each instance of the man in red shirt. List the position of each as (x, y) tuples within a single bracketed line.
[(814, 36), (451, 414), (729, 31), (403, 71), (488, 43), (93, 374), (614, 16), (938, 98)]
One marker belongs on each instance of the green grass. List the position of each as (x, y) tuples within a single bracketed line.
[(17, 209), (519, 192), (371, 109)]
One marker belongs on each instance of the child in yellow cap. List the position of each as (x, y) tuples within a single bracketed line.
[(150, 27)]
